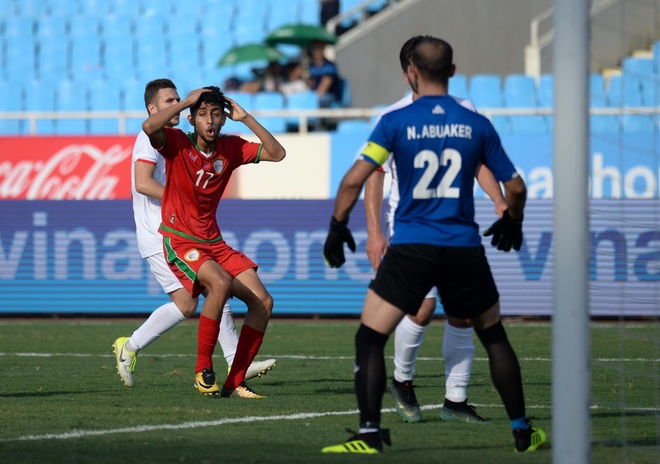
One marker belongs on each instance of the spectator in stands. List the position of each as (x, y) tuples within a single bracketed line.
[(266, 79), (294, 82), (324, 76), (231, 84), (329, 9)]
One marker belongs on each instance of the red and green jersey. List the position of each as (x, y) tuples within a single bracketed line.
[(196, 181)]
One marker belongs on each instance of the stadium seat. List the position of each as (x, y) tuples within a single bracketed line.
[(40, 96), (354, 126), (149, 27), (529, 125), (104, 96), (11, 99), (53, 59), (302, 101), (546, 91), (51, 28), (245, 100), (638, 124), (625, 90), (130, 8), (64, 8), (86, 57), (640, 67), (19, 26), (32, 8), (132, 99), (458, 86), (71, 96), (519, 91), (281, 13), (486, 90), (116, 28), (656, 57), (502, 125), (94, 7), (310, 12), (271, 101), (597, 91), (157, 7), (83, 27), (651, 93), (20, 58), (604, 124), (118, 58), (151, 57)]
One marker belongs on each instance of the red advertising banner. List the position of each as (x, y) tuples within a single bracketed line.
[(65, 168)]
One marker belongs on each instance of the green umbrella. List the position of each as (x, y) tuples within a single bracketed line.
[(300, 34), (250, 52)]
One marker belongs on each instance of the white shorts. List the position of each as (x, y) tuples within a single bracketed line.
[(161, 271)]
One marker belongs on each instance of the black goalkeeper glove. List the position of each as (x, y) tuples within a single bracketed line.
[(506, 232), (333, 250)]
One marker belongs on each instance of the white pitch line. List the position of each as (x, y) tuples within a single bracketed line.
[(301, 357), (241, 420)]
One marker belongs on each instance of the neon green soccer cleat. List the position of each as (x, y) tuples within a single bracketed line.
[(365, 443), (529, 439), (205, 382), (125, 360)]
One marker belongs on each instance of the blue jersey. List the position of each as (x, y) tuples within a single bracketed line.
[(437, 146)]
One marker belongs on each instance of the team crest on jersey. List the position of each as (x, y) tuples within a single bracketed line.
[(191, 255), (438, 110), (219, 165)]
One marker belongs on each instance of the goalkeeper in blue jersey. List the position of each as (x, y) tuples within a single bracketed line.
[(436, 145)]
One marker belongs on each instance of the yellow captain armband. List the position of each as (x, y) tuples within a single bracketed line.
[(375, 152)]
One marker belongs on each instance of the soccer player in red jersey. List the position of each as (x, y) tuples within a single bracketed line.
[(198, 167)]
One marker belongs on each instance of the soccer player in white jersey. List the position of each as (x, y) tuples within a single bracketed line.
[(147, 180), (437, 146), (458, 344)]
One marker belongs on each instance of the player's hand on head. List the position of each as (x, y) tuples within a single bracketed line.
[(194, 95), (333, 249), (235, 111), (506, 232)]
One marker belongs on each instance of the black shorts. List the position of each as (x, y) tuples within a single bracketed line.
[(462, 275)]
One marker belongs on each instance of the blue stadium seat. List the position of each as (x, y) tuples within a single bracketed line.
[(625, 91), (118, 58), (302, 101), (651, 93), (149, 27), (93, 7), (214, 44), (104, 96), (130, 8), (64, 8), (271, 101), (281, 13), (85, 57), (604, 124), (71, 96), (502, 125), (83, 27), (151, 57), (32, 8), (656, 57), (376, 6), (354, 126), (546, 92), (638, 124), (486, 90), (19, 26), (20, 58), (245, 100), (51, 28), (529, 125), (116, 28), (132, 99), (458, 86), (247, 31), (53, 59), (157, 7), (11, 99), (639, 67), (310, 12), (40, 96), (520, 91), (597, 91)]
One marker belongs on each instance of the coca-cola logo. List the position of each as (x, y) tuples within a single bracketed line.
[(75, 172)]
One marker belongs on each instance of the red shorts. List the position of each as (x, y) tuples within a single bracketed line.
[(185, 257)]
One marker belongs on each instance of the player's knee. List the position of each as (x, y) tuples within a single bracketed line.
[(494, 334), (187, 308), (425, 313)]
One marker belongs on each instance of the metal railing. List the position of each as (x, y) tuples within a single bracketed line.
[(303, 116)]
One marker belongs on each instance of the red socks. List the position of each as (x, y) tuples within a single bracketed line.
[(207, 336), (249, 343)]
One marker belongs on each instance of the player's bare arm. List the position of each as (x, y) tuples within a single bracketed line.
[(373, 201), (350, 187), (154, 126), (272, 149), (145, 182), (492, 188), (516, 196)]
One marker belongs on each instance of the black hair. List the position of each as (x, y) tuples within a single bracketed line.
[(406, 48), (152, 88), (433, 58), (214, 97)]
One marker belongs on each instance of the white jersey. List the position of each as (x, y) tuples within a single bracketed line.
[(146, 210), (389, 165)]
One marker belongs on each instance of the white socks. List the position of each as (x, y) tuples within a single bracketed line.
[(408, 338), (458, 351), (160, 321), (228, 337)]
